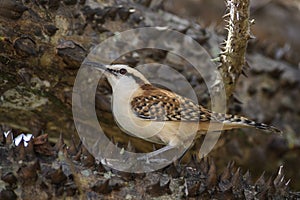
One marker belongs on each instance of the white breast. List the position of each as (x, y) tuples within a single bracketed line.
[(164, 132)]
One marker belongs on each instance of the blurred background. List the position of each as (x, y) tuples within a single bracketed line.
[(271, 92)]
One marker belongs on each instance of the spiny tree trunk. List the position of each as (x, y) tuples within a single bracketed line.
[(234, 50)]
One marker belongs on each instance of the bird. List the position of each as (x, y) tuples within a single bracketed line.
[(161, 116)]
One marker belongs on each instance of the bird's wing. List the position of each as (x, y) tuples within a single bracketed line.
[(162, 105)]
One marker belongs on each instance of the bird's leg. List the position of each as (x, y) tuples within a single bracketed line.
[(150, 155)]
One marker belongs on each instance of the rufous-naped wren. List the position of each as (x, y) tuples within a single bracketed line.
[(155, 114)]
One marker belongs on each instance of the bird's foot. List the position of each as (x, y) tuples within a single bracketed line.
[(149, 157)]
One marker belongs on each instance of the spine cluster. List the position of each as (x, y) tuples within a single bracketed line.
[(233, 52)]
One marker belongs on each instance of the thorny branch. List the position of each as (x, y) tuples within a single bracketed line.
[(233, 52)]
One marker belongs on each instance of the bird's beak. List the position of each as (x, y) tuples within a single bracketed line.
[(95, 65)]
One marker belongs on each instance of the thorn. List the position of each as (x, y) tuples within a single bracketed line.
[(21, 151), (28, 173), (59, 143), (236, 99), (252, 37), (74, 143), (212, 174), (252, 21), (261, 180), (247, 177), (269, 182), (226, 15), (280, 170), (288, 182), (172, 170), (236, 178), (247, 65), (223, 48), (226, 173), (193, 190), (217, 59), (157, 190), (244, 73), (73, 149), (102, 187), (282, 179), (29, 150), (58, 176), (89, 159), (203, 165), (176, 163), (130, 147), (154, 147), (231, 164), (193, 162), (279, 178), (112, 139), (78, 155), (9, 137)]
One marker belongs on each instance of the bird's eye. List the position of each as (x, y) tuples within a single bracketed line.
[(123, 71)]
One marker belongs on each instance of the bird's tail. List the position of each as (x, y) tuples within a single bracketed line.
[(234, 121)]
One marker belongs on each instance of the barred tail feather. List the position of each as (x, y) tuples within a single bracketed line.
[(235, 121), (266, 127)]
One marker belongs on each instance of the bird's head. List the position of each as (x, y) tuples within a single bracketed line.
[(120, 74)]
